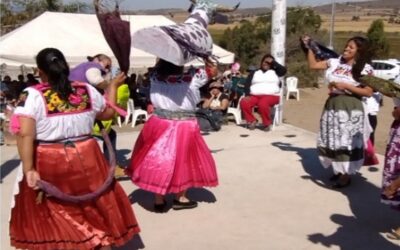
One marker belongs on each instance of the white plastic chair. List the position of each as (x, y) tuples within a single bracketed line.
[(291, 87), (135, 113), (277, 115), (236, 112), (277, 111)]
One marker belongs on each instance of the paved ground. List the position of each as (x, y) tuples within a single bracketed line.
[(273, 194)]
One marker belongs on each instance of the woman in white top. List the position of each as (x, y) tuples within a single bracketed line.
[(342, 132), (373, 104), (170, 155), (262, 89), (84, 208)]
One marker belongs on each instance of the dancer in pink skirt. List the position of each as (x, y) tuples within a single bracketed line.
[(170, 154)]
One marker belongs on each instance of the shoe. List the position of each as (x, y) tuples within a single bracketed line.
[(177, 205), (393, 235), (267, 128), (252, 125), (335, 177), (338, 184), (159, 208)]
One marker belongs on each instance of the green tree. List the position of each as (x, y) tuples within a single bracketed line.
[(243, 41), (379, 45), (300, 20), (31, 9)]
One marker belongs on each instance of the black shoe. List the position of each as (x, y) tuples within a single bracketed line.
[(338, 184), (177, 205), (159, 208), (252, 125), (335, 177), (267, 128)]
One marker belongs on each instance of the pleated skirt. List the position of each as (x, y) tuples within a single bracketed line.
[(171, 156), (341, 137), (75, 169), (391, 170)]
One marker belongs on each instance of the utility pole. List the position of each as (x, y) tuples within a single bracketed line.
[(278, 43), (278, 40), (332, 28)]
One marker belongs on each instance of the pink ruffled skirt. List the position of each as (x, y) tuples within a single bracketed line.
[(171, 156)]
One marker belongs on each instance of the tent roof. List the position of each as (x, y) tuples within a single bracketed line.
[(78, 36)]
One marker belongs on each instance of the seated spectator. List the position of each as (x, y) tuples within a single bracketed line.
[(214, 108), (31, 80), (217, 100), (262, 89)]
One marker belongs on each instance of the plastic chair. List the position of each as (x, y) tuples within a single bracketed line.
[(277, 111), (236, 112), (135, 113), (291, 87), (277, 115)]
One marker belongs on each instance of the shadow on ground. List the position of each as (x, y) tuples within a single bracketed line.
[(145, 199), (7, 167), (370, 217)]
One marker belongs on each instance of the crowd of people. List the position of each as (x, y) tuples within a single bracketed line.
[(57, 117)]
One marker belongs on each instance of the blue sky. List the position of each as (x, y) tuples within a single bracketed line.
[(159, 4)]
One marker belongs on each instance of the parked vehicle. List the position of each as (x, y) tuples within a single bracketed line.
[(386, 69)]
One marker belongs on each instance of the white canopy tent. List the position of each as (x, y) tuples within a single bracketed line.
[(78, 36)]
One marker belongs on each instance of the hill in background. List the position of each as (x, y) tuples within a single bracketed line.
[(350, 16)]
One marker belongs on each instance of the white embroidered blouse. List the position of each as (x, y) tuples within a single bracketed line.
[(177, 93), (341, 72), (57, 119)]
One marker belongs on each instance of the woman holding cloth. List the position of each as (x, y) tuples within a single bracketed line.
[(343, 125), (53, 122)]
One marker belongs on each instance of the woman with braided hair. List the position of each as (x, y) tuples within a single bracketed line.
[(65, 195)]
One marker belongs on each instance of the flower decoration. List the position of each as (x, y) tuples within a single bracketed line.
[(77, 101)]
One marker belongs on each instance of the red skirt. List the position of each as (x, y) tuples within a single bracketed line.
[(53, 224), (171, 156)]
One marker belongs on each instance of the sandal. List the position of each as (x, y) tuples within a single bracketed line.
[(178, 205), (393, 235)]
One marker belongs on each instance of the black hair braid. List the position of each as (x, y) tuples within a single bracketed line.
[(58, 78), (52, 62)]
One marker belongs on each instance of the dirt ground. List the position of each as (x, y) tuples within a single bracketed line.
[(306, 114)]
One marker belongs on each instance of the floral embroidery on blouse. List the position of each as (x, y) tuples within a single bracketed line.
[(78, 101)]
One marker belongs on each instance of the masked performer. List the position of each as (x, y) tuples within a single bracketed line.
[(170, 155)]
